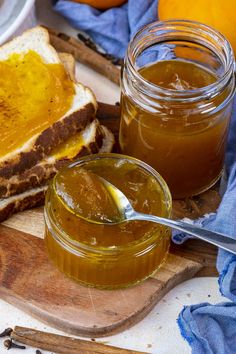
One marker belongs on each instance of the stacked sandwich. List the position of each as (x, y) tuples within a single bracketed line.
[(32, 150)]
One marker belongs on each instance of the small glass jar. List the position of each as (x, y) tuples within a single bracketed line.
[(180, 131), (120, 258)]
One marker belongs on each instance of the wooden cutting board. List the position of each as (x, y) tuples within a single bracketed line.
[(30, 282)]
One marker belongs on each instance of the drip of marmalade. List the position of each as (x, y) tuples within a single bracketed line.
[(33, 95), (107, 256), (184, 143)]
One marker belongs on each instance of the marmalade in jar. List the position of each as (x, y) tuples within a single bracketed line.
[(175, 113), (188, 153), (78, 210)]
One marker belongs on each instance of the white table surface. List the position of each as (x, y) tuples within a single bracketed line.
[(158, 333)]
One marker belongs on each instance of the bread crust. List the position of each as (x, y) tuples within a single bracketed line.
[(25, 174), (82, 111), (22, 202), (45, 142), (44, 170), (35, 196)]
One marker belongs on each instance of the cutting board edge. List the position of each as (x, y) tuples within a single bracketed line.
[(190, 268)]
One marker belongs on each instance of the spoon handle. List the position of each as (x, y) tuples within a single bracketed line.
[(217, 239)]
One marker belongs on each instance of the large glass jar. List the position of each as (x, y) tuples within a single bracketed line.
[(100, 254), (177, 91)]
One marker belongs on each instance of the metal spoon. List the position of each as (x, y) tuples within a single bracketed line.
[(127, 213)]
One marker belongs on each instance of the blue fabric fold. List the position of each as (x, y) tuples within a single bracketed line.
[(219, 320), (209, 329), (113, 28)]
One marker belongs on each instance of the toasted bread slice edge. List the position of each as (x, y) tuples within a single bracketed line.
[(35, 197), (81, 113), (29, 199), (36, 39), (92, 137)]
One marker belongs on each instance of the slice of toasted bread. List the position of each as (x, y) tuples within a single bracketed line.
[(29, 199), (76, 119), (35, 196), (88, 141)]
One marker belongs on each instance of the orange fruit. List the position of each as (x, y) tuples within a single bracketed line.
[(219, 14), (102, 4)]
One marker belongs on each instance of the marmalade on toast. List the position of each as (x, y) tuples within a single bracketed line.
[(33, 96)]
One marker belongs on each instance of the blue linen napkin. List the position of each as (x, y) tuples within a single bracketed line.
[(113, 28), (209, 329)]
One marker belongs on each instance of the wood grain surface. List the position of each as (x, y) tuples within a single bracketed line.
[(30, 282)]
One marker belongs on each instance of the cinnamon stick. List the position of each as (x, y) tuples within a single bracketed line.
[(109, 115), (64, 43), (108, 111), (63, 344)]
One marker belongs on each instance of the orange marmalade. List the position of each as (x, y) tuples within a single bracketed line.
[(101, 254), (33, 95), (176, 103)]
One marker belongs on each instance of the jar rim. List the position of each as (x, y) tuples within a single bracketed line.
[(76, 246), (200, 29)]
